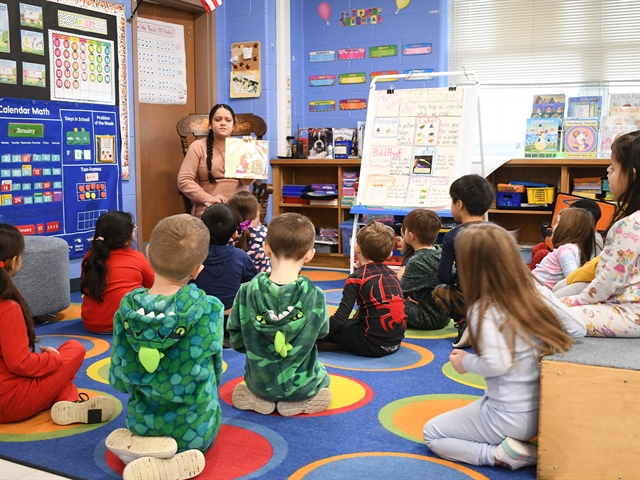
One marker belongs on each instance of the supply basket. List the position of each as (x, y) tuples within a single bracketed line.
[(508, 199), (540, 196)]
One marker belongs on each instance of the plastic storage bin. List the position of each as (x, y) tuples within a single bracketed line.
[(508, 199), (540, 196)]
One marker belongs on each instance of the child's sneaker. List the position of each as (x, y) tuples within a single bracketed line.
[(129, 447), (464, 338), (245, 399), (316, 404), (516, 454), (182, 466), (85, 410)]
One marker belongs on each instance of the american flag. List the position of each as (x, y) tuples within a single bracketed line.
[(210, 5)]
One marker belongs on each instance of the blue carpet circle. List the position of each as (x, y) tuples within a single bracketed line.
[(407, 357), (384, 465)]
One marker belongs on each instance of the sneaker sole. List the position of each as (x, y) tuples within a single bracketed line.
[(182, 466), (465, 340), (316, 404), (125, 444), (518, 450), (95, 410), (245, 399)]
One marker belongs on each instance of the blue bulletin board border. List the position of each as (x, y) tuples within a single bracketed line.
[(59, 168)]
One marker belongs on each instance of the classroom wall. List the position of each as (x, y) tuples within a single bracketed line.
[(247, 21), (421, 21), (129, 186)]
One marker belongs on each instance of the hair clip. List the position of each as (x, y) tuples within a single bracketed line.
[(244, 225), (100, 238), (1, 264)]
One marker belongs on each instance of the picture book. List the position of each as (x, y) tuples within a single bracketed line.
[(609, 133), (319, 141), (584, 107), (619, 120), (548, 106), (543, 137), (580, 137), (246, 159), (624, 104)]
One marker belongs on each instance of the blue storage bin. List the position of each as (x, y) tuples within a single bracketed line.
[(508, 199), (346, 230)]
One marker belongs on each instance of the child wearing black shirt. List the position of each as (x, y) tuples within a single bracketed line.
[(377, 329)]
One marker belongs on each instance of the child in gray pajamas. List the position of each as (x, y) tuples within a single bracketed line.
[(513, 323)]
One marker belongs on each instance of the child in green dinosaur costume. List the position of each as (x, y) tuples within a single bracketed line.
[(167, 354), (276, 319)]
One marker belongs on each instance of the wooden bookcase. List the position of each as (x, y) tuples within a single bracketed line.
[(558, 172), (304, 172)]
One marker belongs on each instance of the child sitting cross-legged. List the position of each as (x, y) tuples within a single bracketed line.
[(377, 329), (276, 319), (419, 277), (167, 355)]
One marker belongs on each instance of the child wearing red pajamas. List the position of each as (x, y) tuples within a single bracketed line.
[(31, 382)]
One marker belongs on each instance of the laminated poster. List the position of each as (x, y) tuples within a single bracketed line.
[(4, 29), (31, 16), (246, 159), (8, 72)]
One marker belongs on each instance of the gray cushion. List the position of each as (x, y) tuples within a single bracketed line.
[(43, 279), (603, 352)]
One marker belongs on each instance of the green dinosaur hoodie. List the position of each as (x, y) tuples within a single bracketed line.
[(277, 327), (167, 354)]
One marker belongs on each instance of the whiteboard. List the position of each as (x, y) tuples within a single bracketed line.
[(417, 142)]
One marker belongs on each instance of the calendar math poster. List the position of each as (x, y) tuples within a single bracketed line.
[(58, 168)]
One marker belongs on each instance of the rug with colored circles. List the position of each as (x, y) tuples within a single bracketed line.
[(372, 429)]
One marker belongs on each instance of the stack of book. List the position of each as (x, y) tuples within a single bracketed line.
[(588, 187), (624, 117), (349, 188), (581, 126), (293, 194), (543, 138), (321, 194)]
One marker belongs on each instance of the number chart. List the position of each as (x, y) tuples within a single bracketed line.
[(82, 68)]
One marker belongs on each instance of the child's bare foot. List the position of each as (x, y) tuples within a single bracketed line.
[(85, 410), (129, 447), (245, 399), (180, 467), (316, 404)]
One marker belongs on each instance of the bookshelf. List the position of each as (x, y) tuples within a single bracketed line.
[(305, 171), (558, 172)]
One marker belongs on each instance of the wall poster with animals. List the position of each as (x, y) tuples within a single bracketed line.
[(417, 142)]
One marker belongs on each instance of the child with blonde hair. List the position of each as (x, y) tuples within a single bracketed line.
[(167, 355), (573, 240), (251, 232), (512, 322)]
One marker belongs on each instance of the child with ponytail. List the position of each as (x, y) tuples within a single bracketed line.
[(110, 270), (251, 233), (31, 382)]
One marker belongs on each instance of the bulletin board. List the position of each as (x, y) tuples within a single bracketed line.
[(63, 116), (245, 70), (417, 142)]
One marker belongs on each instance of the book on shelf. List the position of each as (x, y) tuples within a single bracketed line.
[(548, 106), (580, 137), (608, 135), (624, 103), (324, 202), (584, 107), (543, 137), (580, 193), (296, 200)]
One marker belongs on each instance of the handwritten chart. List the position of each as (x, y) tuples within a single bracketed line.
[(162, 73), (413, 147)]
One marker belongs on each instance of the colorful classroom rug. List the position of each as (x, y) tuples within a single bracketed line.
[(372, 429)]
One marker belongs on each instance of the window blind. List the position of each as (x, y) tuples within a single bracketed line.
[(509, 42)]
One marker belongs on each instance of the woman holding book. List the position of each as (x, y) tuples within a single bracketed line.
[(201, 178)]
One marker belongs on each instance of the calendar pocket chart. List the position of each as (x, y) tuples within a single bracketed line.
[(81, 68), (58, 168)]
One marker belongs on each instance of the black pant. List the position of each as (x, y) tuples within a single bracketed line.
[(350, 336)]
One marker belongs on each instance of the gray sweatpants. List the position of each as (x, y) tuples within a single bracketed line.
[(471, 434)]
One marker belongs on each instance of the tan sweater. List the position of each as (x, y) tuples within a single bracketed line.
[(193, 180)]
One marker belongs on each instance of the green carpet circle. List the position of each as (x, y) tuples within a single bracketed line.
[(469, 379), (447, 332)]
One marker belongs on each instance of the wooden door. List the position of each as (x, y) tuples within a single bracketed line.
[(159, 154)]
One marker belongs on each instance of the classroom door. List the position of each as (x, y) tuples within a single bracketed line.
[(159, 151)]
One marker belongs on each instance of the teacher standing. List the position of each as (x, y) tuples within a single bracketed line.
[(201, 177)]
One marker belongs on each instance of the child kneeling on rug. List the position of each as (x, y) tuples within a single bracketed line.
[(167, 354), (377, 329), (276, 319), (31, 382), (513, 322)]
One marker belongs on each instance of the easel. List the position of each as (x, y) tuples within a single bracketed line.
[(357, 210)]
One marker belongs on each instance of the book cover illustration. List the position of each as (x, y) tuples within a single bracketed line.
[(548, 106), (609, 133), (580, 137), (246, 159), (584, 107), (542, 136)]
